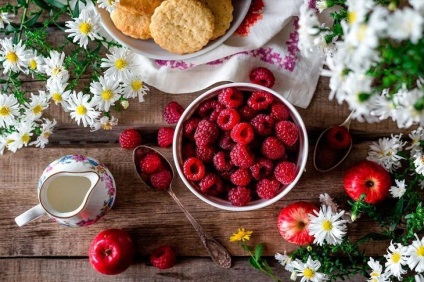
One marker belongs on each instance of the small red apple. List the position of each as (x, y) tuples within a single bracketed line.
[(111, 251), (367, 178), (293, 222)]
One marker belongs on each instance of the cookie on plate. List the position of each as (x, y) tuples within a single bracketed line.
[(182, 26), (131, 24), (223, 12), (140, 6)]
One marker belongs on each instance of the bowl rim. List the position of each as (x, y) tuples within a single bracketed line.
[(219, 203)]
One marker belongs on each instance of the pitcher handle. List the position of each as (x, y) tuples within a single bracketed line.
[(29, 215)]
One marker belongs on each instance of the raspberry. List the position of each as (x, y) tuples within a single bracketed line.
[(262, 76), (273, 149), (211, 184), (338, 137), (215, 114), (193, 169), (287, 132), (225, 142), (285, 172), (165, 136), (189, 127), (129, 139), (262, 168), (205, 153), (207, 107), (239, 196), (150, 163), (206, 132), (267, 188), (260, 100), (188, 150), (241, 156), (161, 179), (227, 119), (247, 113), (263, 124), (279, 111), (221, 161), (242, 133), (230, 97), (241, 177), (163, 257), (172, 112)]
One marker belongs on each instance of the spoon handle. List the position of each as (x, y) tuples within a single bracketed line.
[(217, 252)]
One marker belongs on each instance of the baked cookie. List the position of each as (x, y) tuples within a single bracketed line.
[(223, 12), (131, 24), (182, 26), (140, 6)]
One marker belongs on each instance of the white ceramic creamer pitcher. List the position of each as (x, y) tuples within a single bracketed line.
[(74, 190)]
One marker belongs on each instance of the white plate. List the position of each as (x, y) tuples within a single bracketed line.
[(151, 50)]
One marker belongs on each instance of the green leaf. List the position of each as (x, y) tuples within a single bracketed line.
[(42, 4), (32, 20), (56, 3), (258, 251), (254, 263), (76, 10)]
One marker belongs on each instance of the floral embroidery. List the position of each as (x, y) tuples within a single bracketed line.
[(174, 64), (289, 61)]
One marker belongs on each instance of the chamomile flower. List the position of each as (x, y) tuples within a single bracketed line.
[(376, 274), (104, 123), (241, 235), (309, 270), (385, 152), (4, 141), (109, 5), (36, 106), (82, 110), (46, 130), (309, 28), (405, 24), (417, 5), (58, 93), (35, 62), (416, 255), (13, 56), (119, 64), (321, 5), (5, 19), (285, 261), (134, 86), (54, 67), (21, 136), (396, 258), (358, 10), (327, 226), (419, 162), (416, 136), (85, 27), (419, 278), (106, 92), (9, 110), (398, 190)]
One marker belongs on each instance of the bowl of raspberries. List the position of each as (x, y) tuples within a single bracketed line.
[(240, 146)]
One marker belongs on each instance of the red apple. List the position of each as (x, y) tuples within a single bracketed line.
[(367, 178), (111, 251), (293, 222)]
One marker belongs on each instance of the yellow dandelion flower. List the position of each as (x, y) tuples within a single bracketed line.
[(241, 235)]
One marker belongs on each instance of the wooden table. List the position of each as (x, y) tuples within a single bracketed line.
[(46, 251)]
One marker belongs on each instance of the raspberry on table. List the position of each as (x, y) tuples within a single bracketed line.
[(161, 179), (262, 168), (193, 169), (239, 196), (129, 139), (225, 142), (242, 133), (227, 119), (267, 188), (241, 177), (165, 136), (205, 152), (273, 149), (262, 76), (338, 137), (260, 100), (230, 97), (206, 132), (163, 257), (172, 112), (211, 184), (221, 161), (241, 156), (263, 124), (285, 172), (279, 111), (287, 132), (189, 127), (150, 163)]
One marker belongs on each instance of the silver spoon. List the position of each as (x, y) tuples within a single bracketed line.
[(217, 252), (325, 158)]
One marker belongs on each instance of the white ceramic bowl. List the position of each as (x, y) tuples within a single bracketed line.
[(221, 203)]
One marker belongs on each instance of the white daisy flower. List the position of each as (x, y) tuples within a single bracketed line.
[(358, 10), (85, 27), (58, 93), (105, 123), (13, 56), (36, 106), (321, 5), (106, 92), (9, 110), (416, 255), (285, 261), (46, 130), (35, 61), (336, 70), (399, 190), (21, 136), (327, 226), (376, 274), (309, 270), (396, 258), (82, 110), (119, 64), (109, 5), (382, 107), (309, 29), (385, 152), (5, 19), (419, 162), (417, 5), (54, 67), (416, 136), (4, 141), (133, 86), (405, 24), (419, 278)]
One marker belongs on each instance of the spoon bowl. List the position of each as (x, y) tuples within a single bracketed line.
[(217, 252)]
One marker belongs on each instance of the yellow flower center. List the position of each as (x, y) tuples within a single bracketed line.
[(327, 225), (120, 64), (85, 28), (9, 141), (375, 274), (46, 134), (110, 2), (136, 85), (308, 273), (57, 97), (420, 251), (361, 32), (12, 57), (395, 257), (32, 64), (25, 138), (352, 17), (56, 71), (37, 109), (5, 111), (107, 94), (81, 110)]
